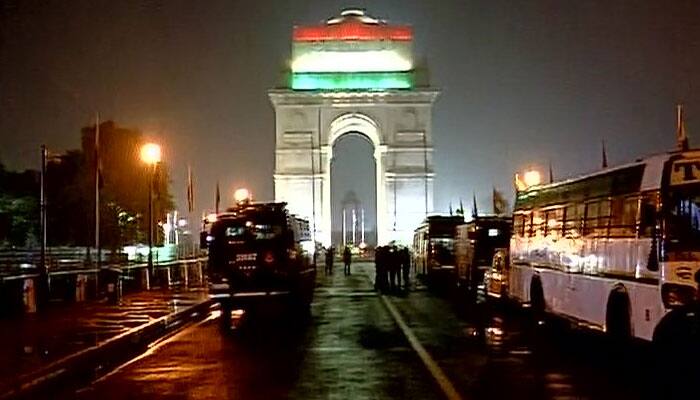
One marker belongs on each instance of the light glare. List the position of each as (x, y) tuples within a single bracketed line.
[(150, 153), (532, 178), (241, 195)]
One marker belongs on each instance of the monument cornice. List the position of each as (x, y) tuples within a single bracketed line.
[(288, 97)]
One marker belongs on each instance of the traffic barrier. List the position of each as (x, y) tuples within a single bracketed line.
[(18, 295), (80, 288), (114, 285), (29, 295)]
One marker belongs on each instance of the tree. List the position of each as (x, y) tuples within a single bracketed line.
[(19, 208), (126, 179), (68, 197)]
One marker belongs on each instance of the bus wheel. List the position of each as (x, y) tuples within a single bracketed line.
[(537, 303), (617, 318)]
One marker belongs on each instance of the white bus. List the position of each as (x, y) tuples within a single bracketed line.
[(613, 250)]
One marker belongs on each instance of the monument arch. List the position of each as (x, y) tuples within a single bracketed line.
[(382, 100)]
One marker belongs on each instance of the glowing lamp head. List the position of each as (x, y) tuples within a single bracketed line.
[(241, 195), (210, 218), (150, 153), (532, 178)]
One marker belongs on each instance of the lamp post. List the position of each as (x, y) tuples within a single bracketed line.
[(150, 154)]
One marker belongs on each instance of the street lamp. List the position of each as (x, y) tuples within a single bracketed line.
[(150, 154), (241, 195), (532, 178)]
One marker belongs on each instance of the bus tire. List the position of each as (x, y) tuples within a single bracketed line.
[(618, 324), (537, 302)]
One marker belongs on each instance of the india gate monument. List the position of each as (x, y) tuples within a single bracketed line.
[(355, 74)]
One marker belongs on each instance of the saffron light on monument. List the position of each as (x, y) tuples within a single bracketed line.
[(352, 51)]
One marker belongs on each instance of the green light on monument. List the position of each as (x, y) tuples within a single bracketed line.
[(350, 81)]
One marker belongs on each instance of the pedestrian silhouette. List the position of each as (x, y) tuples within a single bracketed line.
[(329, 260), (347, 259), (405, 266), (393, 265)]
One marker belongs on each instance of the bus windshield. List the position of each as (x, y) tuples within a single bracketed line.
[(239, 230), (683, 224)]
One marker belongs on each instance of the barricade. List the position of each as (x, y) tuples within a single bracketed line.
[(81, 282), (19, 293), (29, 295)]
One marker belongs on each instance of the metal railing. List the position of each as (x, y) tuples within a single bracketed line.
[(79, 280)]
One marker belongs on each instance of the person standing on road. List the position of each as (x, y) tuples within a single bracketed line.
[(392, 263), (347, 259), (378, 255), (405, 266), (329, 260), (382, 262)]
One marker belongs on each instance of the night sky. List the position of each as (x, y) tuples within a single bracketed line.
[(524, 82)]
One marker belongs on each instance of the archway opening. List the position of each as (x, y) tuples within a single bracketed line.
[(353, 191)]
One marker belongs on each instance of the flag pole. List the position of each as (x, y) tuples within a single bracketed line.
[(681, 136), (218, 198), (190, 204), (97, 191), (604, 155)]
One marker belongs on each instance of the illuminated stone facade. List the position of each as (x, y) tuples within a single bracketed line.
[(398, 122)]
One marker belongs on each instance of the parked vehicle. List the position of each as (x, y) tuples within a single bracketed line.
[(433, 248), (475, 245), (614, 250), (259, 252)]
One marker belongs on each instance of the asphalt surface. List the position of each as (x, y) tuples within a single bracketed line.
[(351, 346)]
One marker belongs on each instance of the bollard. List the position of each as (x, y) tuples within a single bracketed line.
[(114, 286), (146, 279), (29, 296), (186, 274), (81, 281)]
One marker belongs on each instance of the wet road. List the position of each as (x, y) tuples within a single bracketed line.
[(351, 346), (36, 340)]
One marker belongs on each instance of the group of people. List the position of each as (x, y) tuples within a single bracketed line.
[(330, 259), (392, 265)]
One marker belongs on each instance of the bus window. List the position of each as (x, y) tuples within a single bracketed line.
[(648, 215), (537, 223), (591, 218), (572, 222), (683, 221), (518, 224), (554, 220), (603, 224), (629, 216)]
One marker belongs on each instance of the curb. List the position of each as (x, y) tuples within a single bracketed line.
[(85, 365)]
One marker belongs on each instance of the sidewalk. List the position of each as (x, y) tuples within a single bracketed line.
[(34, 341)]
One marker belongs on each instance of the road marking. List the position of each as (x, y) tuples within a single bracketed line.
[(438, 374), (447, 388)]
